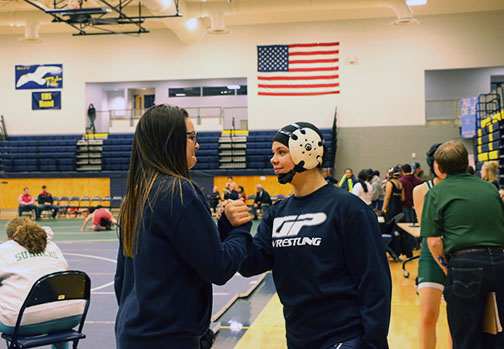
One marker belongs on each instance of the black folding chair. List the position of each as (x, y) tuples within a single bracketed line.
[(55, 287), (389, 229)]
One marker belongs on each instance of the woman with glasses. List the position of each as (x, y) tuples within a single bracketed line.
[(170, 252)]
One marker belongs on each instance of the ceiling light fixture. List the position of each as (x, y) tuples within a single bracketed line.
[(416, 2)]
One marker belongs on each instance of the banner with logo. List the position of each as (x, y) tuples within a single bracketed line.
[(468, 117), (41, 76), (46, 100)]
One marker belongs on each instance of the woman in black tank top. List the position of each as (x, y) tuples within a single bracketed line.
[(394, 194)]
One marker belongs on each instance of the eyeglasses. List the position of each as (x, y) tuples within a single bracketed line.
[(193, 136)]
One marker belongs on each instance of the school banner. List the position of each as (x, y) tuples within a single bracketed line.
[(468, 117), (41, 76), (46, 100)]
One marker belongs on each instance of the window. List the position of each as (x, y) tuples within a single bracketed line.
[(184, 92), (218, 91), (242, 90)]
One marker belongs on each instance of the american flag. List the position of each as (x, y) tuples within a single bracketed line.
[(298, 69)]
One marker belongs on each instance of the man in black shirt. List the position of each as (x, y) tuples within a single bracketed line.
[(45, 202)]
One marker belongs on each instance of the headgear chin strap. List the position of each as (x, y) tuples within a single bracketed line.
[(306, 147)]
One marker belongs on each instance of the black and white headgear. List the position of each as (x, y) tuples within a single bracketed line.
[(306, 146)]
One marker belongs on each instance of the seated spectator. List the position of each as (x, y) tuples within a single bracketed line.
[(27, 203), (501, 193), (348, 180), (102, 219), (328, 178), (241, 193), (363, 188), (489, 172), (46, 202), (262, 201), (25, 258), (230, 194), (214, 199)]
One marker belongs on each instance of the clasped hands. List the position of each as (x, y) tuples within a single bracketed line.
[(236, 212)]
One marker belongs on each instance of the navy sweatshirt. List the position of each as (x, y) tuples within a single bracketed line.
[(329, 267), (165, 292)]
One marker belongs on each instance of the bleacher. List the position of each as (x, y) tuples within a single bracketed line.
[(38, 153), (490, 129), (59, 153)]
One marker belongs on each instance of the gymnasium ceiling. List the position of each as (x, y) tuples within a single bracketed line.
[(263, 11)]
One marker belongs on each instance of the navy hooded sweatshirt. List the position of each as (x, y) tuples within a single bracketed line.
[(165, 292), (329, 266)]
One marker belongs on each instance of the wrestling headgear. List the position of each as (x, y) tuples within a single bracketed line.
[(306, 147)]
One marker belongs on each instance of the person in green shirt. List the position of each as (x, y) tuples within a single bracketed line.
[(463, 218)]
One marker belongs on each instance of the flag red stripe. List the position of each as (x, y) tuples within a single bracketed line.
[(314, 61), (299, 86), (315, 45), (313, 69), (298, 77), (297, 93), (309, 53)]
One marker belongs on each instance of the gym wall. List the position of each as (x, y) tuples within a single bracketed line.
[(385, 87)]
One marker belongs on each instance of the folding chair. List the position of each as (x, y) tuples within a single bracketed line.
[(63, 203), (388, 231), (84, 204), (115, 203), (73, 205), (55, 287), (95, 201), (106, 202)]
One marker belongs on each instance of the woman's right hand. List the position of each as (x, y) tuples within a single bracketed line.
[(237, 212)]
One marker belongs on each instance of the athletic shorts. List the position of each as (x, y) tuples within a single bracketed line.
[(429, 272)]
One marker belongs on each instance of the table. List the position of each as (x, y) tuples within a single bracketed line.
[(413, 230)]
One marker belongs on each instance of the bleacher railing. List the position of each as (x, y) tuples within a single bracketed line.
[(3, 130)]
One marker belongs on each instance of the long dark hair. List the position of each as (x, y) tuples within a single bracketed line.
[(363, 177), (159, 147)]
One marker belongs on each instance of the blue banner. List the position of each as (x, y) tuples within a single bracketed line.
[(44, 76), (468, 117), (46, 100)]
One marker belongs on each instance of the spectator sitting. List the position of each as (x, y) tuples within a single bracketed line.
[(419, 172), (363, 189), (45, 201), (241, 193), (261, 202), (102, 219), (27, 203), (328, 178), (489, 172), (409, 181), (215, 198), (348, 180), (230, 194), (24, 258)]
